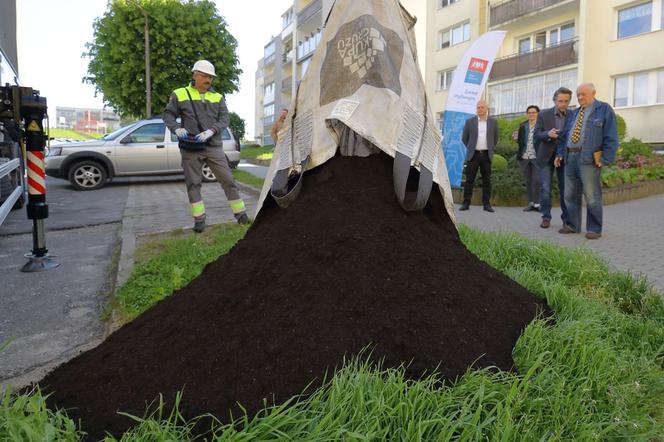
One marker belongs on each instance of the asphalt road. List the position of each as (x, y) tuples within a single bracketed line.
[(69, 208), (49, 317)]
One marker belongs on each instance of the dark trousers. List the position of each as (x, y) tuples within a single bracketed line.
[(531, 174), (480, 160), (545, 197)]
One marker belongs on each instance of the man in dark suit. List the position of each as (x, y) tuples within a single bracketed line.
[(550, 122), (480, 136)]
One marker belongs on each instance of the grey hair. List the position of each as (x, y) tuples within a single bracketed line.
[(589, 85)]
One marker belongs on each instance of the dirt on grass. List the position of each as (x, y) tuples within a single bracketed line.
[(343, 268)]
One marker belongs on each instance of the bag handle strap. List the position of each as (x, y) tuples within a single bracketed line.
[(200, 128)]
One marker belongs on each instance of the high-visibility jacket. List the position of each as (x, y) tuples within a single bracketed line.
[(211, 109)]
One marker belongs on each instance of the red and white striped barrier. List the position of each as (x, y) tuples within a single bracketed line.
[(36, 173)]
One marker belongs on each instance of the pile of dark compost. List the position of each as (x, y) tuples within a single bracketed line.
[(341, 269)]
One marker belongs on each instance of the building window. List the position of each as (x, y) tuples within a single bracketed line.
[(268, 114), (621, 91), (549, 37), (567, 32), (309, 45), (641, 89), (513, 97), (635, 20), (443, 3), (453, 36), (287, 19), (268, 93), (440, 121), (445, 79)]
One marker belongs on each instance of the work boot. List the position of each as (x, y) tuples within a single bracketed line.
[(199, 224), (243, 219)]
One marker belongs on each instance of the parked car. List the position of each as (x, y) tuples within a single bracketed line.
[(143, 148)]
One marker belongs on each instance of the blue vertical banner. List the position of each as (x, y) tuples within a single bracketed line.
[(468, 83)]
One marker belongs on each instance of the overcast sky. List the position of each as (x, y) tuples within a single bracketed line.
[(52, 36)]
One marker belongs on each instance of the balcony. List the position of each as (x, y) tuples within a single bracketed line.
[(309, 11), (287, 58), (535, 61), (511, 9), (287, 84)]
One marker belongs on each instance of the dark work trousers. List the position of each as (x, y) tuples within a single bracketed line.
[(480, 160)]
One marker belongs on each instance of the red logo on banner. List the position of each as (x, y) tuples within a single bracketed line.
[(478, 65)]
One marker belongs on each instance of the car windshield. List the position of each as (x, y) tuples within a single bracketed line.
[(117, 133)]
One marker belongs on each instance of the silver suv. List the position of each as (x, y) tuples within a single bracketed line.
[(146, 147)]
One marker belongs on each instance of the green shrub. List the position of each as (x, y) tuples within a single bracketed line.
[(506, 150), (629, 149), (622, 128), (498, 164), (506, 129)]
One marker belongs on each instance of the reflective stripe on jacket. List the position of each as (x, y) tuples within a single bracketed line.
[(211, 109)]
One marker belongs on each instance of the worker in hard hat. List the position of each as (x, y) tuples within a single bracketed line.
[(204, 116)]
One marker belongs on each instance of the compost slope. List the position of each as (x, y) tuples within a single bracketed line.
[(342, 268)]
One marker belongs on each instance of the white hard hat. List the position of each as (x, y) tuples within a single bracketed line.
[(205, 67)]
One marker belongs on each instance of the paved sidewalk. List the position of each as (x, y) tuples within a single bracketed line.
[(632, 238), (163, 206)]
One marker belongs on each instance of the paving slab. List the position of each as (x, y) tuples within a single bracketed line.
[(632, 238), (49, 317)]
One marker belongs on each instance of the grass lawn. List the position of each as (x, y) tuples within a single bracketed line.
[(248, 178), (253, 153), (74, 135), (597, 373)]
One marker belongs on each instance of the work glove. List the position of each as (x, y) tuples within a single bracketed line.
[(204, 136), (181, 133)]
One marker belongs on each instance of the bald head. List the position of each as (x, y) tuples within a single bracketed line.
[(585, 94), (482, 109)]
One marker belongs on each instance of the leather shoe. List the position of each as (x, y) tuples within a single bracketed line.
[(488, 209), (566, 229), (464, 206), (545, 224), (593, 235)]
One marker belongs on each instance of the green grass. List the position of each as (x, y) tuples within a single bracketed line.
[(251, 153), (596, 373), (167, 265), (248, 178), (74, 135)]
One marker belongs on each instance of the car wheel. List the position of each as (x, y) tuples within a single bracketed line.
[(87, 175), (208, 176)]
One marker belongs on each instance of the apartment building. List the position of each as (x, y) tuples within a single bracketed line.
[(616, 44), (285, 60), (8, 46), (86, 120), (287, 56)]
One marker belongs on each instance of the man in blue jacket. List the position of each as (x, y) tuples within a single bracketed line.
[(588, 142)]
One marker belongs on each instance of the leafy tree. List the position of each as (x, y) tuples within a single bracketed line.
[(181, 32), (237, 126)]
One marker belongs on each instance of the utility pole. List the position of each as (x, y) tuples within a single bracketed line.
[(148, 82)]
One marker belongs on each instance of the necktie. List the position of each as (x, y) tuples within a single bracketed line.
[(576, 133)]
